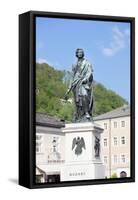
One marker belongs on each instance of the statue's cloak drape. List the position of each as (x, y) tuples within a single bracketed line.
[(82, 82)]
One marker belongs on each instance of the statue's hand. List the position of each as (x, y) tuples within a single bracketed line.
[(66, 96), (84, 81)]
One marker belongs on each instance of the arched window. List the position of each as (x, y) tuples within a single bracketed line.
[(123, 174)]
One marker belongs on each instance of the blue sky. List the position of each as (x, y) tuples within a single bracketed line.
[(106, 46)]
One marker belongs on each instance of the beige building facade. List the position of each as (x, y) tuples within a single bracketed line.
[(115, 141), (50, 148)]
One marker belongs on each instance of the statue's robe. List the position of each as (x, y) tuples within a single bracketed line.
[(82, 83)]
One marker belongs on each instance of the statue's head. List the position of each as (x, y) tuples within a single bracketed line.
[(79, 53)]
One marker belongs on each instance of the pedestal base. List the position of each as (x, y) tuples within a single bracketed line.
[(82, 152), (84, 171)]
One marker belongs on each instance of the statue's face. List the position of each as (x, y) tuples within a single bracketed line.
[(80, 54)]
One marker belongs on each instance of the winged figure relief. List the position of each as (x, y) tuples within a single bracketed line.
[(78, 143)]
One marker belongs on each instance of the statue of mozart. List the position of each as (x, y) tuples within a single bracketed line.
[(81, 86)]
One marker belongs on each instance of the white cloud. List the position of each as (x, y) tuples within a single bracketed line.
[(41, 60), (108, 51), (117, 32), (56, 64), (118, 42)]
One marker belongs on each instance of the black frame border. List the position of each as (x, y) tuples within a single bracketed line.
[(27, 83)]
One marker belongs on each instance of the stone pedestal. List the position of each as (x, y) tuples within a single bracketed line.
[(82, 152)]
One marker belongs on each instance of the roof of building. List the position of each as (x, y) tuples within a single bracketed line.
[(39, 171), (49, 121), (119, 112)]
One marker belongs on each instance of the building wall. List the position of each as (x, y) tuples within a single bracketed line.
[(46, 158), (116, 155)]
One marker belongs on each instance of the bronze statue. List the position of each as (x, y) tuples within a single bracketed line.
[(81, 86), (97, 147)]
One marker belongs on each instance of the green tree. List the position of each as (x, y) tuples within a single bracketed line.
[(114, 175)]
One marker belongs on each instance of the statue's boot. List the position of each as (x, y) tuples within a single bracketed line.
[(87, 115), (86, 107)]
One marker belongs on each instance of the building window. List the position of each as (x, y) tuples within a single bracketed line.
[(105, 142), (123, 158), (105, 125), (123, 140), (105, 159), (38, 143), (123, 174), (122, 123), (115, 141), (115, 124), (38, 147), (38, 137), (115, 159)]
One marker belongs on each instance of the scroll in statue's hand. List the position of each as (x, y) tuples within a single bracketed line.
[(84, 81), (66, 96)]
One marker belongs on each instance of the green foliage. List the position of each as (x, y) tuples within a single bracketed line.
[(114, 175), (105, 100), (51, 86), (66, 112), (50, 89)]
